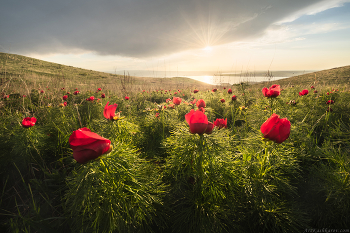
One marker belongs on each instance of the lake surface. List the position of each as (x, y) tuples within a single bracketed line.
[(218, 77)]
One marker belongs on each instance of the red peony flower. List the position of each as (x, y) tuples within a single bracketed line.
[(224, 88), (99, 89), (76, 92), (330, 102), (312, 87), (234, 97), (214, 90), (42, 91), (193, 101), (65, 97), (315, 91), (273, 91), (87, 145), (276, 129), (229, 91), (198, 122), (109, 111), (28, 122), (200, 103), (220, 123), (177, 100), (195, 91), (65, 103), (103, 95), (222, 100), (91, 98), (126, 98), (304, 92)]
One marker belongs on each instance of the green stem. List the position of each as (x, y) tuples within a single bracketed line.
[(264, 161), (233, 119), (162, 119), (200, 159), (271, 105)]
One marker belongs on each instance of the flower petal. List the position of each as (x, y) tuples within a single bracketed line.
[(188, 116)]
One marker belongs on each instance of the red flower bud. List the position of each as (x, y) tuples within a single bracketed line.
[(304, 92), (273, 91), (220, 123), (87, 145), (177, 100), (65, 97), (200, 103), (276, 129), (198, 122), (91, 98), (229, 91), (28, 122)]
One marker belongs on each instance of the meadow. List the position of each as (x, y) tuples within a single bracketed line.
[(124, 154)]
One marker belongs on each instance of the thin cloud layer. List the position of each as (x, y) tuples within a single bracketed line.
[(136, 28)]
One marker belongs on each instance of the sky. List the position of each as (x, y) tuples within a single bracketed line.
[(180, 35)]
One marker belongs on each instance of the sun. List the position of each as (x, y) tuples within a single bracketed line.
[(208, 48)]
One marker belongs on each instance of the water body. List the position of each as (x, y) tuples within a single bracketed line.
[(218, 77)]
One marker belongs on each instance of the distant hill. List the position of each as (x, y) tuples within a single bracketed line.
[(35, 71), (334, 76)]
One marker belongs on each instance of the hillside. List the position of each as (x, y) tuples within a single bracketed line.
[(18, 71), (21, 70), (334, 76)]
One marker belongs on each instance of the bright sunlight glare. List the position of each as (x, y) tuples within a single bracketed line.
[(208, 48)]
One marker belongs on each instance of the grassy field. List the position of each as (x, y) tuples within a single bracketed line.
[(160, 175)]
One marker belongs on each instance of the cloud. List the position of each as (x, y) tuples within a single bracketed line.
[(136, 28)]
